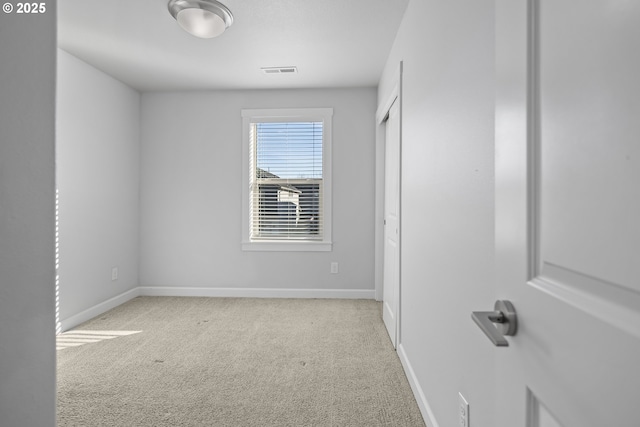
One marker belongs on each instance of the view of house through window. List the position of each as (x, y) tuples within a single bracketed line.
[(287, 179)]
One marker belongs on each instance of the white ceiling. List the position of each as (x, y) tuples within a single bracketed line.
[(334, 43)]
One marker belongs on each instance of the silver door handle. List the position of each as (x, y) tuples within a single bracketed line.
[(505, 319)]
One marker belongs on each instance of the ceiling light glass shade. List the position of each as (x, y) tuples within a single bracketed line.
[(201, 18)]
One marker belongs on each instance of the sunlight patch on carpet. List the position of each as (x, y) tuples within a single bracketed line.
[(78, 338)]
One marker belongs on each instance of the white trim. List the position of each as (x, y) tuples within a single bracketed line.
[(98, 309), (256, 292), (284, 246), (378, 213), (400, 115), (383, 109), (291, 115), (418, 393), (287, 114), (174, 291), (382, 113)]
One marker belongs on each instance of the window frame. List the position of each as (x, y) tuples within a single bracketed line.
[(250, 116)]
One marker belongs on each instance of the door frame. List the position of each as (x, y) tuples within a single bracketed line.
[(382, 112)]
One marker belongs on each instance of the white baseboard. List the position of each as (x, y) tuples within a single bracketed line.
[(257, 292), (425, 408), (107, 305), (98, 309)]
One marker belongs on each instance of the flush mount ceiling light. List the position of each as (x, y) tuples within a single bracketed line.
[(201, 18)]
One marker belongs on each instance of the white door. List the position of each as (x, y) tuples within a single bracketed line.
[(391, 264), (568, 211)]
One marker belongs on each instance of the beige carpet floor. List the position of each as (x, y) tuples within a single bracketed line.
[(236, 362)]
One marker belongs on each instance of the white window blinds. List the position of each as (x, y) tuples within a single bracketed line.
[(286, 181)]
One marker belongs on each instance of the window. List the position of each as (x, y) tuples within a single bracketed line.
[(287, 179)]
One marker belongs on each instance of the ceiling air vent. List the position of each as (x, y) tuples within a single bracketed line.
[(279, 70)]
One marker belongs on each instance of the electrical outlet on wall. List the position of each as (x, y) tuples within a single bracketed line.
[(114, 274), (463, 409), (334, 268)]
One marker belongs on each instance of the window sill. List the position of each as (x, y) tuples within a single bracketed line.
[(275, 246)]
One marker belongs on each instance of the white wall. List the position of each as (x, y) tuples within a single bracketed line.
[(27, 108), (447, 203), (98, 157), (191, 191)]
